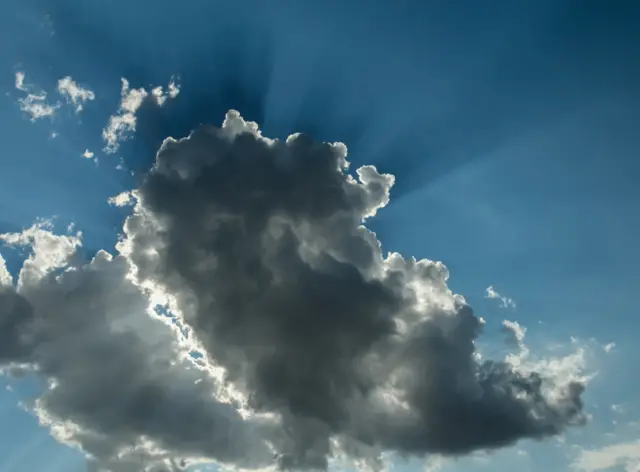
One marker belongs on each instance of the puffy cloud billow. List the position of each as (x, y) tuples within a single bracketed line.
[(282, 335)]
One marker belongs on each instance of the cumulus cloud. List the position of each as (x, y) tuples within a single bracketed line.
[(34, 103), (505, 302), (74, 93), (251, 318), (122, 124)]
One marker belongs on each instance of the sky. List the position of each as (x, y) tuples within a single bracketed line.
[(510, 130)]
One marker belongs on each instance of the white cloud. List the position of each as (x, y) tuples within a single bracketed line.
[(74, 93), (626, 455), (50, 251), (608, 348), (88, 154), (518, 333), (161, 96), (123, 123), (5, 276), (505, 302), (34, 103), (20, 76), (122, 199)]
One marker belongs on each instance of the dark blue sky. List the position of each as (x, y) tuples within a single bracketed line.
[(511, 127)]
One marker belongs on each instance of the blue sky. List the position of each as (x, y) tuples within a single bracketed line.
[(511, 128)]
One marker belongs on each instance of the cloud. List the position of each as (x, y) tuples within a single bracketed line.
[(20, 77), (617, 408), (517, 334), (89, 155), (282, 335), (5, 276), (608, 348), (121, 125), (122, 199), (626, 455), (33, 103), (563, 373), (74, 94), (49, 251), (505, 302), (115, 374), (161, 96)]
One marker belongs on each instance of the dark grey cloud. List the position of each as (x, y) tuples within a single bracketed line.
[(118, 384), (328, 347), (15, 317), (293, 297)]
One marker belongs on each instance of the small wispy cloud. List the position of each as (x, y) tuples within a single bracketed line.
[(517, 331), (608, 348), (616, 408), (161, 96), (34, 103), (624, 455), (20, 76), (90, 155), (505, 302), (74, 93), (123, 123)]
